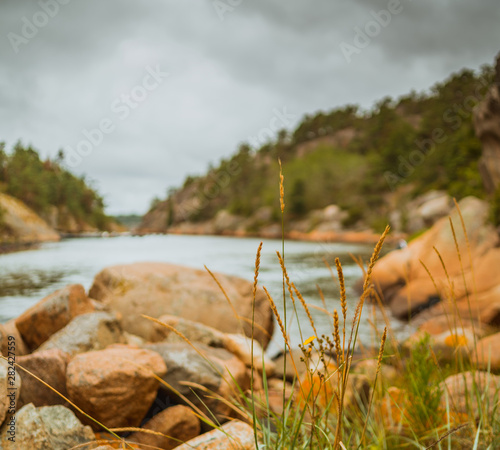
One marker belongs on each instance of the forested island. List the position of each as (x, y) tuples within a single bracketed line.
[(41, 199)]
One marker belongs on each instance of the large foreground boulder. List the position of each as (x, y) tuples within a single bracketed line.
[(116, 386), (9, 329), (186, 329), (462, 391), (220, 373), (178, 422), (232, 435), (488, 354), (49, 366), (54, 312), (237, 344), (49, 427), (93, 331), (156, 289)]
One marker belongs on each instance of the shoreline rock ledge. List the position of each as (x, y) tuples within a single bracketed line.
[(157, 289), (469, 285), (20, 225)]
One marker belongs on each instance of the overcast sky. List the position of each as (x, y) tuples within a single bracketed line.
[(177, 85)]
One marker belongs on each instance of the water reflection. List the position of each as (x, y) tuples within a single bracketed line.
[(28, 283)]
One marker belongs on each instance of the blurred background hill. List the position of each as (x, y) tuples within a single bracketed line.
[(366, 166)]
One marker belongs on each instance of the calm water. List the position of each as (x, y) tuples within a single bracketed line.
[(27, 276)]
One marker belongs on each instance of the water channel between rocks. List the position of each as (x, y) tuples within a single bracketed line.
[(28, 276)]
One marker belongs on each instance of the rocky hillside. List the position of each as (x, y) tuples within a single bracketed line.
[(487, 125), (21, 225), (346, 170), (66, 202), (467, 268), (40, 199)]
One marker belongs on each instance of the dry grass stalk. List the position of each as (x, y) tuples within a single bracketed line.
[(366, 286), (254, 292), (231, 404), (306, 308), (283, 332), (110, 442), (227, 298), (178, 333), (256, 325), (389, 328), (343, 296), (354, 332), (290, 291), (321, 296), (174, 330), (285, 274), (463, 272), (257, 268), (282, 189), (356, 318), (311, 321), (278, 317), (375, 255), (321, 309), (139, 430), (381, 351), (453, 298), (450, 326), (336, 335), (467, 242), (379, 366)]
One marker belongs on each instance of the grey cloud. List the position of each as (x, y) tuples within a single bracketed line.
[(225, 76)]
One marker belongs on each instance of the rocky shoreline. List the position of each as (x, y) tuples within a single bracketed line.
[(21, 228), (325, 225), (155, 377), (106, 359), (446, 282), (352, 237), (17, 247)]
